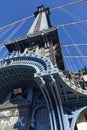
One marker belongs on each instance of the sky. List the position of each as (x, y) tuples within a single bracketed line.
[(14, 10)]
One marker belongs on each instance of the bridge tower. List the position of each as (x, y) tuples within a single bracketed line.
[(35, 93)]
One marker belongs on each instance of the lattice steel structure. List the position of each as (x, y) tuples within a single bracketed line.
[(36, 92)]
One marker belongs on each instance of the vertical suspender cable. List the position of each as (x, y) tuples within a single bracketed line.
[(13, 33), (77, 48), (5, 31), (67, 48), (75, 18)]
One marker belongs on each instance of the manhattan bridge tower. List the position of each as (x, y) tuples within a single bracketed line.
[(36, 91)]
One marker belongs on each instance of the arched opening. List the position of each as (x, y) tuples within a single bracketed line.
[(19, 83), (81, 123)]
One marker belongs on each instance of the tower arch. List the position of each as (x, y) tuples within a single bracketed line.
[(77, 119)]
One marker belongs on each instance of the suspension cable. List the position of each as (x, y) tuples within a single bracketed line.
[(29, 17), (69, 4), (15, 31), (6, 31), (12, 33), (72, 45), (75, 57), (66, 65), (69, 36), (77, 48), (9, 37), (2, 47), (75, 45), (73, 23), (55, 8), (75, 18)]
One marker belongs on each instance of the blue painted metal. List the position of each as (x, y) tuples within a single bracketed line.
[(41, 83), (33, 118), (53, 98), (52, 85), (76, 114)]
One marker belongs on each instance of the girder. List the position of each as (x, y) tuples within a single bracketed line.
[(35, 65)]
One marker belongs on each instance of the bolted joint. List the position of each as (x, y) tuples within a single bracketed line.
[(40, 81), (51, 80)]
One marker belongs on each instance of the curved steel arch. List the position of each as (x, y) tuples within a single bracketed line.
[(37, 61), (76, 115), (34, 114), (38, 65), (71, 84)]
